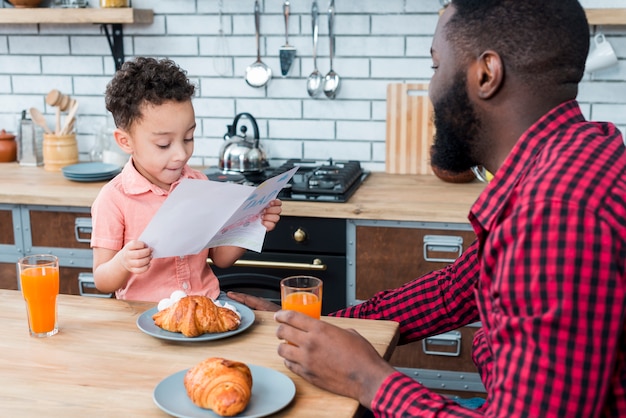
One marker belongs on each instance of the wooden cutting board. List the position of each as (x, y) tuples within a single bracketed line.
[(410, 129)]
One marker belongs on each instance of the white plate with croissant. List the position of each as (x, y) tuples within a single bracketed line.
[(196, 318), (268, 391)]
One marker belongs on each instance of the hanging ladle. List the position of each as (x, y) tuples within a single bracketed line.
[(314, 82), (258, 74), (332, 80)]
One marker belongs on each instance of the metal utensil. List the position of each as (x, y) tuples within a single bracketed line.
[(39, 119), (258, 74), (314, 82), (287, 52), (332, 80)]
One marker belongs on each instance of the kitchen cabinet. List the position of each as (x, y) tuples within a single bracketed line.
[(385, 255), (10, 245), (59, 230)]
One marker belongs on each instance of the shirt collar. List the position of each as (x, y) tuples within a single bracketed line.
[(134, 183), (520, 161)]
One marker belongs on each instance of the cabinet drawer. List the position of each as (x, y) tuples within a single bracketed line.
[(388, 257), (57, 229), (8, 276), (6, 227)]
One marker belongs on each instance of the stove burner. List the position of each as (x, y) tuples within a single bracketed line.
[(226, 177), (331, 181)]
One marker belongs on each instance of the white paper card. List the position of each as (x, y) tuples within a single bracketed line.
[(201, 214)]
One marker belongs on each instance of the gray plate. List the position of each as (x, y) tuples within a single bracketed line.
[(147, 325), (271, 392)]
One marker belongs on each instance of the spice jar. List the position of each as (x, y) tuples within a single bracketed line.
[(8, 147), (114, 3)]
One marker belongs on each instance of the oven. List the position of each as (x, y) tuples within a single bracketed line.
[(297, 246)]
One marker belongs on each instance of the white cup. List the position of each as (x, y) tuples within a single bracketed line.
[(602, 56)]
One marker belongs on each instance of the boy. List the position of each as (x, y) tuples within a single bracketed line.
[(150, 101)]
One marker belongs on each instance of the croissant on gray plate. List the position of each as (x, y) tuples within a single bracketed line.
[(221, 385), (196, 315)]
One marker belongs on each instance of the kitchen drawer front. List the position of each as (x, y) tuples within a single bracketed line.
[(7, 237), (52, 226), (389, 254), (8, 276), (385, 255)]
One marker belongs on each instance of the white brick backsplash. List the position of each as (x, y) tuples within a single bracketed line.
[(166, 45), (378, 42), (276, 109), (39, 45), (91, 45), (302, 129), (41, 84), (404, 24), (343, 109), (613, 113), (5, 84), (338, 150), (20, 64), (192, 25), (418, 46), (71, 65), (371, 131)]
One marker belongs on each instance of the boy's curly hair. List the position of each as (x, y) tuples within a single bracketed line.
[(145, 80)]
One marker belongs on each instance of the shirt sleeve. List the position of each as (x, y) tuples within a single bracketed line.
[(554, 309), (436, 302), (107, 220)]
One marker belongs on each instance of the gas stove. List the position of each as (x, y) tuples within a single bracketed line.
[(324, 181)]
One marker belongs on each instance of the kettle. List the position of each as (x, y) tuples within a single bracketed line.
[(239, 153)]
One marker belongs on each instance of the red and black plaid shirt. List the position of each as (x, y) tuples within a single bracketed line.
[(546, 277)]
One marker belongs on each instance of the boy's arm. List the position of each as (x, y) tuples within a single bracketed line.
[(111, 269)]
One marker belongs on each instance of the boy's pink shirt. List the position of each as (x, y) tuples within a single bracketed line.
[(120, 213)]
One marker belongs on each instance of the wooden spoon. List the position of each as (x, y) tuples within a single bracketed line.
[(69, 120), (39, 119)]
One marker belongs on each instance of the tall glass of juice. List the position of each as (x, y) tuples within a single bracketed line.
[(302, 294), (39, 281)]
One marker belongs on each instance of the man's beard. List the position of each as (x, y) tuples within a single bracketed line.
[(457, 129)]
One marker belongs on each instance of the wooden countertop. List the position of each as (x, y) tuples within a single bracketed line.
[(101, 361), (382, 196)]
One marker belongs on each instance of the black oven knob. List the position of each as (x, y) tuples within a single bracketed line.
[(300, 235)]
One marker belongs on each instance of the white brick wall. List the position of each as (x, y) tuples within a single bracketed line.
[(378, 42)]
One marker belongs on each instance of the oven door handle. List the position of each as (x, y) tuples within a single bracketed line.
[(316, 265)]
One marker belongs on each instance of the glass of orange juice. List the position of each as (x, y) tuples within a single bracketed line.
[(302, 294), (39, 281)]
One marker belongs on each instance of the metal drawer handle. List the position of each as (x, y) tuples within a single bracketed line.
[(82, 226), (316, 265), (442, 244), (85, 281), (447, 339)]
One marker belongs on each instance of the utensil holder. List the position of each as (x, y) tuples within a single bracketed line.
[(59, 151)]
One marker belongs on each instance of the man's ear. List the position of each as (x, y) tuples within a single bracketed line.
[(123, 140), (489, 74)]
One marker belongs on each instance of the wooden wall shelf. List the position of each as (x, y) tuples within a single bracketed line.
[(606, 16), (76, 16)]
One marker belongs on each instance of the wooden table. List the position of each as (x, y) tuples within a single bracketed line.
[(101, 364)]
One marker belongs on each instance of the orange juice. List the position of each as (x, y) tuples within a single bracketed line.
[(40, 287), (305, 302)]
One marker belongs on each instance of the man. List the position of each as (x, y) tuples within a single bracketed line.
[(546, 276)]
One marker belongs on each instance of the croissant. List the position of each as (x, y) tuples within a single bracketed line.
[(196, 315), (222, 385)]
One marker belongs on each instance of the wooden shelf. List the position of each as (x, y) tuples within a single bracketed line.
[(76, 16), (606, 16)]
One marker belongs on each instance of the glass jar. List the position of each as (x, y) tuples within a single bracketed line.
[(114, 3)]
